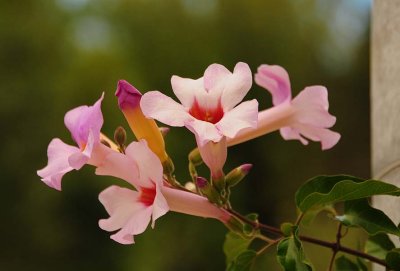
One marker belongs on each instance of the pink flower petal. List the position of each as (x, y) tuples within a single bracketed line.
[(160, 205), (158, 106), (149, 166), (276, 80), (121, 166), (186, 89), (236, 86), (312, 105), (215, 76), (58, 154), (327, 137), (245, 115), (126, 213), (204, 131), (120, 203), (214, 156), (83, 119)]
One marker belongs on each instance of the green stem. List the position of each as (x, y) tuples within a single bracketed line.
[(331, 245)]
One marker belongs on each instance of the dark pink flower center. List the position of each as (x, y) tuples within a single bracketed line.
[(210, 115), (147, 195)]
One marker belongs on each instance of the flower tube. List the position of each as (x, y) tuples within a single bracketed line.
[(305, 116)]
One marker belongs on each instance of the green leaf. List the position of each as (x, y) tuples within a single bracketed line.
[(361, 264), (291, 255), (234, 246), (243, 262), (310, 215), (358, 213), (379, 245), (344, 264), (323, 190), (393, 259)]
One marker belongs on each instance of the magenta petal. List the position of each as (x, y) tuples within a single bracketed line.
[(245, 115), (276, 80), (158, 106), (58, 154), (81, 120), (128, 95)]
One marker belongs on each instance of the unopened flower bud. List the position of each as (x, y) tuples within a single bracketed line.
[(164, 131), (143, 128), (120, 136), (195, 157), (237, 174), (190, 186), (208, 190)]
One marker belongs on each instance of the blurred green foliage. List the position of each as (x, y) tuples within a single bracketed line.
[(56, 55)]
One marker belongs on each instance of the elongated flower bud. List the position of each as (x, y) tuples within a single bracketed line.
[(237, 174), (143, 128)]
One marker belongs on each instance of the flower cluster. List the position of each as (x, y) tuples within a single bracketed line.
[(211, 108)]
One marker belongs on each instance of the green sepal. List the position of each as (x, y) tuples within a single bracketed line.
[(287, 229)]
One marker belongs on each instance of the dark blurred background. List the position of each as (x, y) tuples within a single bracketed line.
[(56, 55)]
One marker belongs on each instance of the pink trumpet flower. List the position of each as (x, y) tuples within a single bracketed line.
[(305, 116), (209, 108), (209, 105), (84, 123), (131, 211)]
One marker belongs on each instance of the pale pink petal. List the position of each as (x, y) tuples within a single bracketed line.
[(276, 80), (100, 152), (160, 205), (214, 156), (158, 106), (149, 165), (236, 86), (245, 115), (78, 160), (121, 166), (126, 213), (186, 89), (193, 204), (312, 105), (327, 137), (120, 203), (214, 76), (136, 225), (204, 131), (58, 153), (83, 119)]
